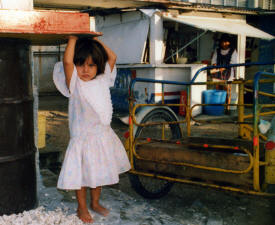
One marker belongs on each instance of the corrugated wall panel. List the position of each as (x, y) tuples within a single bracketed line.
[(217, 2), (204, 1), (245, 3), (235, 3), (267, 4), (230, 2)]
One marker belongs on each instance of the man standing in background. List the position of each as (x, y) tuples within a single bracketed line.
[(224, 55)]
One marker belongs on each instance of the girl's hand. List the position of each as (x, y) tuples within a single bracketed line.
[(72, 37), (111, 55)]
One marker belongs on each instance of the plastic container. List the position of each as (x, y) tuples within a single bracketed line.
[(214, 97), (41, 143)]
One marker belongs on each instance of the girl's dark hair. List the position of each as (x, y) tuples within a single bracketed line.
[(86, 47)]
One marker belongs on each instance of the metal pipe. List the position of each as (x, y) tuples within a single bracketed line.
[(241, 109), (131, 86), (203, 184)]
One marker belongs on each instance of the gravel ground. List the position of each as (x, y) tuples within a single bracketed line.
[(185, 204)]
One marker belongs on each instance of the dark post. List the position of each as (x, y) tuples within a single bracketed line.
[(17, 150)]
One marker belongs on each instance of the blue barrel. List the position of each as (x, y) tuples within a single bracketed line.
[(214, 97)]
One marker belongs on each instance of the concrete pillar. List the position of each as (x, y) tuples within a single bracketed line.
[(16, 4), (156, 39), (92, 23), (241, 46)]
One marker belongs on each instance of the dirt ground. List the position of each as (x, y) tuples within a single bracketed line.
[(187, 204)]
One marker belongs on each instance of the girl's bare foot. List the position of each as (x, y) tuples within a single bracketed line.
[(84, 215), (100, 209)]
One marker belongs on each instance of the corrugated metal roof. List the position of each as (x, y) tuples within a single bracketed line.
[(232, 6), (236, 3)]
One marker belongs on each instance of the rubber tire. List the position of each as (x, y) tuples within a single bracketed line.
[(135, 179), (141, 189)]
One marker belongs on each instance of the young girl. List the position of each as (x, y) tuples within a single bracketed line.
[(95, 156)]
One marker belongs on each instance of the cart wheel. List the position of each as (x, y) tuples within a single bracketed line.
[(146, 186), (172, 131), (270, 188)]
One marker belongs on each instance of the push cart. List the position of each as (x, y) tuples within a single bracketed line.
[(162, 149)]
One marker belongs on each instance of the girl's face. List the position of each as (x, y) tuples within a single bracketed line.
[(88, 70)]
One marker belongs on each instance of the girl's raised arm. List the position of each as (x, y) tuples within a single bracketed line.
[(68, 60), (111, 55)]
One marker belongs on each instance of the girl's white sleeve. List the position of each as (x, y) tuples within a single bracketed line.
[(110, 76), (59, 79)]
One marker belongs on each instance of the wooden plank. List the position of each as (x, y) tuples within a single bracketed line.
[(177, 153), (43, 27)]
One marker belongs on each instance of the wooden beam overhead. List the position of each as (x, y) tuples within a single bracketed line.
[(43, 27)]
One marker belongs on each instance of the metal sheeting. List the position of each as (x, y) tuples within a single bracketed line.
[(231, 26), (245, 3), (127, 40), (235, 3)]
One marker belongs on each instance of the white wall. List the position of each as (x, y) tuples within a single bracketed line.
[(181, 73)]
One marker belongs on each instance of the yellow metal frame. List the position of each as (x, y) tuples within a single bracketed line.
[(245, 131)]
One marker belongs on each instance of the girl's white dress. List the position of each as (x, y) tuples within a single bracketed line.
[(95, 156)]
